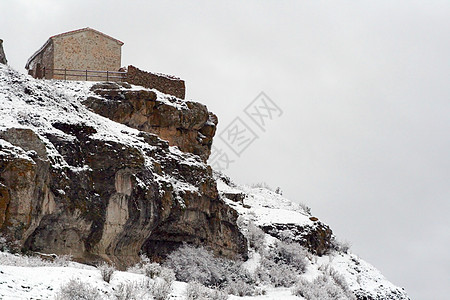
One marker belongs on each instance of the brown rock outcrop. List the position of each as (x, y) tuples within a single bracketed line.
[(72, 182), (186, 124)]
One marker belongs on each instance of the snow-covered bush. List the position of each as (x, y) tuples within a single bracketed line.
[(195, 264), (77, 290), (261, 185), (341, 246), (107, 271), (62, 260), (328, 286), (167, 275), (291, 254), (132, 291), (240, 288), (17, 260), (200, 265), (197, 291), (139, 268), (160, 289), (255, 236), (152, 270), (277, 274)]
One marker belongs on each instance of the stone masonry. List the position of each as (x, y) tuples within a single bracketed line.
[(163, 83), (83, 49)]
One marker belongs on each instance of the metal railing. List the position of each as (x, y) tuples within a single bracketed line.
[(94, 75)]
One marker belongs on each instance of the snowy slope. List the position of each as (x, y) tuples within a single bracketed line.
[(263, 207)]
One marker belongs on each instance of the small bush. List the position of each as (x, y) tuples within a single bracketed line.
[(277, 274), (152, 270), (240, 288), (197, 291), (161, 289), (168, 275), (262, 185), (341, 246), (107, 271), (132, 291), (255, 236), (291, 254), (77, 290), (195, 264), (139, 268), (328, 286)]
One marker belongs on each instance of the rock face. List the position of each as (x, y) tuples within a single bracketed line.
[(185, 124), (317, 238), (2, 54), (72, 182)]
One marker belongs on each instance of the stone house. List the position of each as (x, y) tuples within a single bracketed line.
[(82, 49)]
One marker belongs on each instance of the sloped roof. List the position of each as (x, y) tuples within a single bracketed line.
[(86, 29), (65, 34)]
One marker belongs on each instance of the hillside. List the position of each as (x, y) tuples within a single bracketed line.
[(76, 182)]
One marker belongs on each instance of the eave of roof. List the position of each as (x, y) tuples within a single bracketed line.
[(67, 33), (87, 29)]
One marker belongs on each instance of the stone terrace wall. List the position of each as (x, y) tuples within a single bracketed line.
[(163, 83)]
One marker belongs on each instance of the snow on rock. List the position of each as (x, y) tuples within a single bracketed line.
[(285, 220), (75, 182)]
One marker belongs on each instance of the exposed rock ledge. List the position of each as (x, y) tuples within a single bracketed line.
[(73, 182), (185, 124)]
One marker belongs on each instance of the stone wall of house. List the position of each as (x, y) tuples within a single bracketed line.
[(2, 54), (163, 83), (43, 60), (86, 50)]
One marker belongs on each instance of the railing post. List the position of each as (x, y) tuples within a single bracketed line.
[(86, 75), (107, 75), (44, 73), (65, 73)]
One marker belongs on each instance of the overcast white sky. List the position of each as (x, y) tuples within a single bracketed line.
[(363, 85)]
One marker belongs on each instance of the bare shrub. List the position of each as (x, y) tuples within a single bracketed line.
[(199, 265), (240, 288), (132, 291), (277, 274), (195, 264), (197, 291), (139, 268), (161, 289), (324, 287), (291, 254), (77, 290), (152, 270), (262, 185), (255, 236), (107, 271), (167, 275), (341, 246), (62, 260)]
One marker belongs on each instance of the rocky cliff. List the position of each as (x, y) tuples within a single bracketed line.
[(74, 182), (186, 124)]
